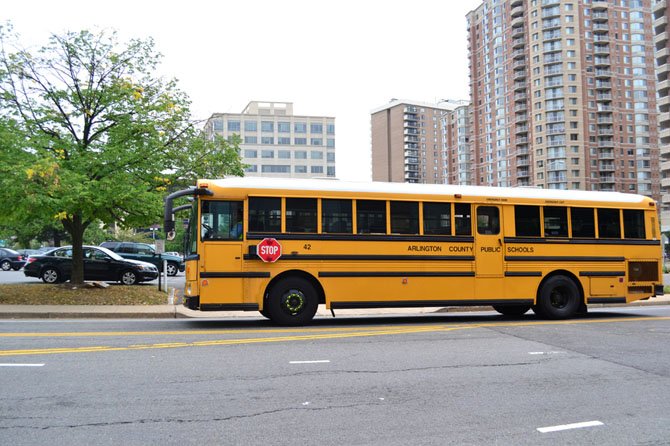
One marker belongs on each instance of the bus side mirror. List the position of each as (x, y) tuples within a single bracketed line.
[(171, 235)]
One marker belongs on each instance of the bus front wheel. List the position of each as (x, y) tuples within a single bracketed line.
[(292, 301), (559, 298), (512, 310)]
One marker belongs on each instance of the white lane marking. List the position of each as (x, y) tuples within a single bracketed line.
[(319, 361), (21, 365), (545, 353), (564, 427)]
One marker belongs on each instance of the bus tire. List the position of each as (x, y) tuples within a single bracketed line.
[(264, 313), (559, 298), (292, 301), (511, 310)]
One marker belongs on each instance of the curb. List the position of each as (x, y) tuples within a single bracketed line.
[(180, 312)]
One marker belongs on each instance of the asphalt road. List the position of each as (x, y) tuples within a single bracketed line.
[(452, 378)]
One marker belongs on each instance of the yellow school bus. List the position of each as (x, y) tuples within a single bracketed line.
[(284, 246)]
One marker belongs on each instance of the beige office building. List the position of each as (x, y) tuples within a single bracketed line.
[(277, 143), (662, 47), (563, 95), (408, 142)]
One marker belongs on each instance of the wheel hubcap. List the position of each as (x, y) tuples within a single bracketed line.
[(559, 298), (50, 276), (293, 302), (6, 266), (128, 278)]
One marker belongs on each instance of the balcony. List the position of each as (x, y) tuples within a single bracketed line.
[(604, 108), (601, 49), (603, 85), (514, 3), (518, 54), (602, 73), (522, 96), (662, 54), (551, 12), (556, 83), (552, 58), (551, 35), (605, 120), (521, 129), (521, 117), (600, 28), (660, 39), (556, 131), (601, 61), (517, 22), (518, 43), (605, 132), (522, 172), (607, 178), (553, 70), (664, 133), (604, 97), (659, 6), (520, 108), (516, 10), (599, 16), (607, 154), (661, 21), (517, 32), (520, 85), (522, 140), (599, 5), (519, 64), (606, 143), (551, 24)]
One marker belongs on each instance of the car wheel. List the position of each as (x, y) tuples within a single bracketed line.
[(172, 269), (6, 265), (51, 275), (129, 277), (292, 301)]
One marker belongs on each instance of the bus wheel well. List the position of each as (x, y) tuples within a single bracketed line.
[(561, 272), (298, 273)]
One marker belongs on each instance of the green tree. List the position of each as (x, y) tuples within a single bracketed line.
[(91, 134)]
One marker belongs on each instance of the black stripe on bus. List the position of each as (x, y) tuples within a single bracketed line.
[(221, 275), (607, 300), (562, 259), (602, 273), (229, 307), (427, 303), (362, 237), (523, 274), (397, 274), (311, 257), (580, 241)]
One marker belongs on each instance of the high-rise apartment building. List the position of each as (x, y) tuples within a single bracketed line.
[(563, 95), (662, 47), (408, 142), (456, 149), (277, 143)]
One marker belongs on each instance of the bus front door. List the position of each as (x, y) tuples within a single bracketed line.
[(489, 253)]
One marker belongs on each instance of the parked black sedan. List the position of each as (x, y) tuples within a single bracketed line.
[(99, 264), (10, 259)]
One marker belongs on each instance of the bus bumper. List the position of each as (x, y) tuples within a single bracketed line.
[(658, 290)]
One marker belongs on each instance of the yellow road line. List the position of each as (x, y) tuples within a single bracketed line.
[(363, 332)]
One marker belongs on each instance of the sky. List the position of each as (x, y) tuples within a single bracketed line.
[(339, 58)]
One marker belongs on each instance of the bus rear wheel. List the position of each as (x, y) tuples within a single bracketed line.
[(511, 310), (292, 301), (559, 298)]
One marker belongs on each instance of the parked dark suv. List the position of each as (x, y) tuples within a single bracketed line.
[(146, 253)]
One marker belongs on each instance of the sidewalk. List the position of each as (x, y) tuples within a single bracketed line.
[(179, 311)]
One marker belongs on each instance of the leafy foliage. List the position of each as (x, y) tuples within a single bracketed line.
[(89, 134)]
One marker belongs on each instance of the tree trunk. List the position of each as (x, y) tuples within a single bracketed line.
[(75, 227)]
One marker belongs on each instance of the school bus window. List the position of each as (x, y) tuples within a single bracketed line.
[(633, 224), (609, 225), (488, 220), (462, 219), (527, 221), (221, 220), (555, 221), (264, 214), (583, 223), (336, 216), (301, 215), (371, 216), (404, 217), (437, 218)]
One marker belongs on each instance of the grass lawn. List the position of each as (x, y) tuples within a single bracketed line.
[(64, 294)]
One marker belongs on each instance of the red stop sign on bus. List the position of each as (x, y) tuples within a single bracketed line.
[(269, 250)]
